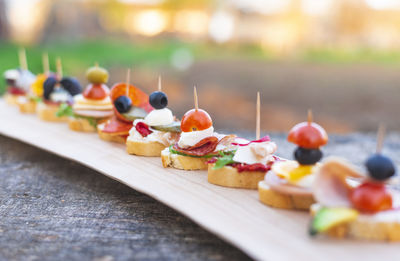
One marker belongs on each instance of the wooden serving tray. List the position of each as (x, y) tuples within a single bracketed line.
[(235, 215)]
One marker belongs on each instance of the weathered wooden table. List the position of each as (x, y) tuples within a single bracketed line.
[(55, 209)]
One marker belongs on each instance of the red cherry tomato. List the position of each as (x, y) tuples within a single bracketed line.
[(96, 92), (195, 120), (308, 135), (371, 197)]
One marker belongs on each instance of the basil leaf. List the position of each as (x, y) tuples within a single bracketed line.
[(225, 158), (65, 110)]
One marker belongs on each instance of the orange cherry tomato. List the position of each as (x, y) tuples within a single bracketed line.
[(371, 197), (308, 135), (195, 120), (96, 92)]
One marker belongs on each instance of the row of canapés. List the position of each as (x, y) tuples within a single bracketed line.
[(344, 201)]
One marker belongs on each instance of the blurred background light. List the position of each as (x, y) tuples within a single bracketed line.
[(222, 26)]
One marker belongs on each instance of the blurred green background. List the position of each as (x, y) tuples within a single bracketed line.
[(340, 58)]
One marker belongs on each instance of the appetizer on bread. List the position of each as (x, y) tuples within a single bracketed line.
[(356, 205), (246, 164), (158, 130), (197, 143), (93, 106), (18, 80), (129, 104), (58, 93), (288, 183), (28, 102)]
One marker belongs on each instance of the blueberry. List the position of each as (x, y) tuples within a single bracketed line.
[(307, 156), (48, 87), (158, 100), (123, 104), (71, 85), (380, 167)]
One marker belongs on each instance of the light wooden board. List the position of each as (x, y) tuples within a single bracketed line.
[(235, 215)]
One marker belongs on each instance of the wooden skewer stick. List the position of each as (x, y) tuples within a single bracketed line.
[(258, 117), (196, 101), (159, 83), (96, 64), (128, 79), (309, 116), (45, 63), (22, 59), (380, 137), (59, 67)]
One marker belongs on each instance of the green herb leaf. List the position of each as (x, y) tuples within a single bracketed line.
[(225, 158), (65, 110)]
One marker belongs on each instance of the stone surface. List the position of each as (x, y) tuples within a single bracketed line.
[(55, 209)]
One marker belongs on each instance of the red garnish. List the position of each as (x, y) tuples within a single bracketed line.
[(16, 91), (117, 126), (143, 129), (263, 139), (371, 197), (308, 135), (96, 92), (202, 148), (252, 167)]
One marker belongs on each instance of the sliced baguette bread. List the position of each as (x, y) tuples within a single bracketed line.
[(144, 148), (48, 113), (81, 124), (286, 201), (364, 228), (230, 177), (112, 137), (28, 106), (11, 99), (182, 162)]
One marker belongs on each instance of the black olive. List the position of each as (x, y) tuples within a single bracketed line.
[(71, 85), (307, 156), (123, 104), (48, 87), (158, 100), (380, 167)]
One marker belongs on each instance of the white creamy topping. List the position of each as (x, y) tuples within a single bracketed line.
[(60, 95), (159, 117), (189, 139), (11, 74), (22, 99), (256, 152), (156, 136), (305, 182), (25, 80), (81, 103)]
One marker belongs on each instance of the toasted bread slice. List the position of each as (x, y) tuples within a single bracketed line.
[(28, 106), (230, 177), (144, 148), (113, 137), (81, 124), (48, 112), (364, 229), (11, 99), (286, 201), (182, 162)]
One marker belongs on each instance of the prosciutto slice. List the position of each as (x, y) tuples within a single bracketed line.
[(202, 148)]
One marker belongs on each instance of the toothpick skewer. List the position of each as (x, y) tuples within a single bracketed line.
[(196, 102), (309, 116), (258, 117), (380, 137), (159, 83), (128, 79), (59, 67), (45, 62), (22, 59), (96, 64)]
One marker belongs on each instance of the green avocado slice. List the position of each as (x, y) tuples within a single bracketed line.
[(173, 127), (327, 218), (134, 113)]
